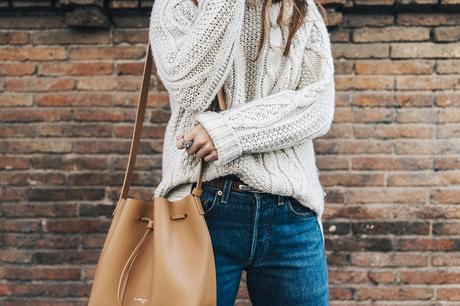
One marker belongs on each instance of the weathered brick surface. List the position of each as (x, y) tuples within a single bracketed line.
[(390, 164)]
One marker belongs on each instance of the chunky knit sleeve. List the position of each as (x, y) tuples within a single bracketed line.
[(193, 47), (284, 119)]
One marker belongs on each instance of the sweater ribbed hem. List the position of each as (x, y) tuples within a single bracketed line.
[(224, 137)]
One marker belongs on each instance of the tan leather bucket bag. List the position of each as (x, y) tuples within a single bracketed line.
[(159, 252)]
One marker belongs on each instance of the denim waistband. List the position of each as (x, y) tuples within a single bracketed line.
[(248, 190)]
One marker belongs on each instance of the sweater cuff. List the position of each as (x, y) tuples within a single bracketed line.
[(224, 136)]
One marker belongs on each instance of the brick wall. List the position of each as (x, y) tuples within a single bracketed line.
[(69, 79)]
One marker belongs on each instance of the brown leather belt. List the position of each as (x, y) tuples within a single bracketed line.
[(237, 184)]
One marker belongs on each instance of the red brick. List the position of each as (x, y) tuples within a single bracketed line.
[(446, 228), (445, 259), (394, 293), (74, 130), (130, 36), (375, 19), (434, 147), (19, 115), (391, 163), (103, 115), (426, 244), (387, 195), (123, 4), (447, 33), (384, 67), (352, 180), (129, 68), (25, 179), (428, 19), (425, 50), (32, 22), (83, 99), (148, 131), (40, 241), (63, 194), (394, 131), (69, 37), (105, 146), (448, 294), (389, 260), (108, 83), (69, 257), (363, 82), (38, 146), (76, 226), (447, 131), (347, 277), (448, 66), (352, 147), (369, 50), (68, 290), (130, 21), (55, 273), (391, 34), (15, 99), (445, 196), (52, 210), (415, 115), (76, 163), (14, 130), (15, 256), (426, 82), (106, 53), (32, 53), (18, 226), (14, 69), (393, 100), (69, 68), (422, 179), (41, 84), (14, 163), (14, 38)]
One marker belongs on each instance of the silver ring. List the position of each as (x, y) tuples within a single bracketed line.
[(187, 144)]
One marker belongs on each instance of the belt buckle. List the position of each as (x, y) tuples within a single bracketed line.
[(244, 187)]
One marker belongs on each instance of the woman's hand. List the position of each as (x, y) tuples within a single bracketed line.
[(202, 145)]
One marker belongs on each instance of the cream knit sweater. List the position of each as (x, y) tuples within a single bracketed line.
[(276, 106)]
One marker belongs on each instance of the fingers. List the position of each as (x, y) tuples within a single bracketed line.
[(211, 156), (181, 138), (202, 145), (179, 141), (205, 151), (198, 143)]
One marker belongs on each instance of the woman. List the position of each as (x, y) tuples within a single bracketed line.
[(262, 196)]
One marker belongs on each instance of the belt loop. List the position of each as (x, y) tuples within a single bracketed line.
[(227, 189), (280, 200)]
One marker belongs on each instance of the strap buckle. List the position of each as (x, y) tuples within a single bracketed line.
[(244, 187)]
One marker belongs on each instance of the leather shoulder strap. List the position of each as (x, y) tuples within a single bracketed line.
[(139, 122)]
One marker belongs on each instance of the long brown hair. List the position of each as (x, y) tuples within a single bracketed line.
[(297, 18)]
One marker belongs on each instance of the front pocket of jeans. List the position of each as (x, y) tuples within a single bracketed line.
[(299, 210), (208, 198)]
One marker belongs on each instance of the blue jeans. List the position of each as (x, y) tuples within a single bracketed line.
[(274, 238)]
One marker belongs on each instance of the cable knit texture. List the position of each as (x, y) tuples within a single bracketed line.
[(276, 105)]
